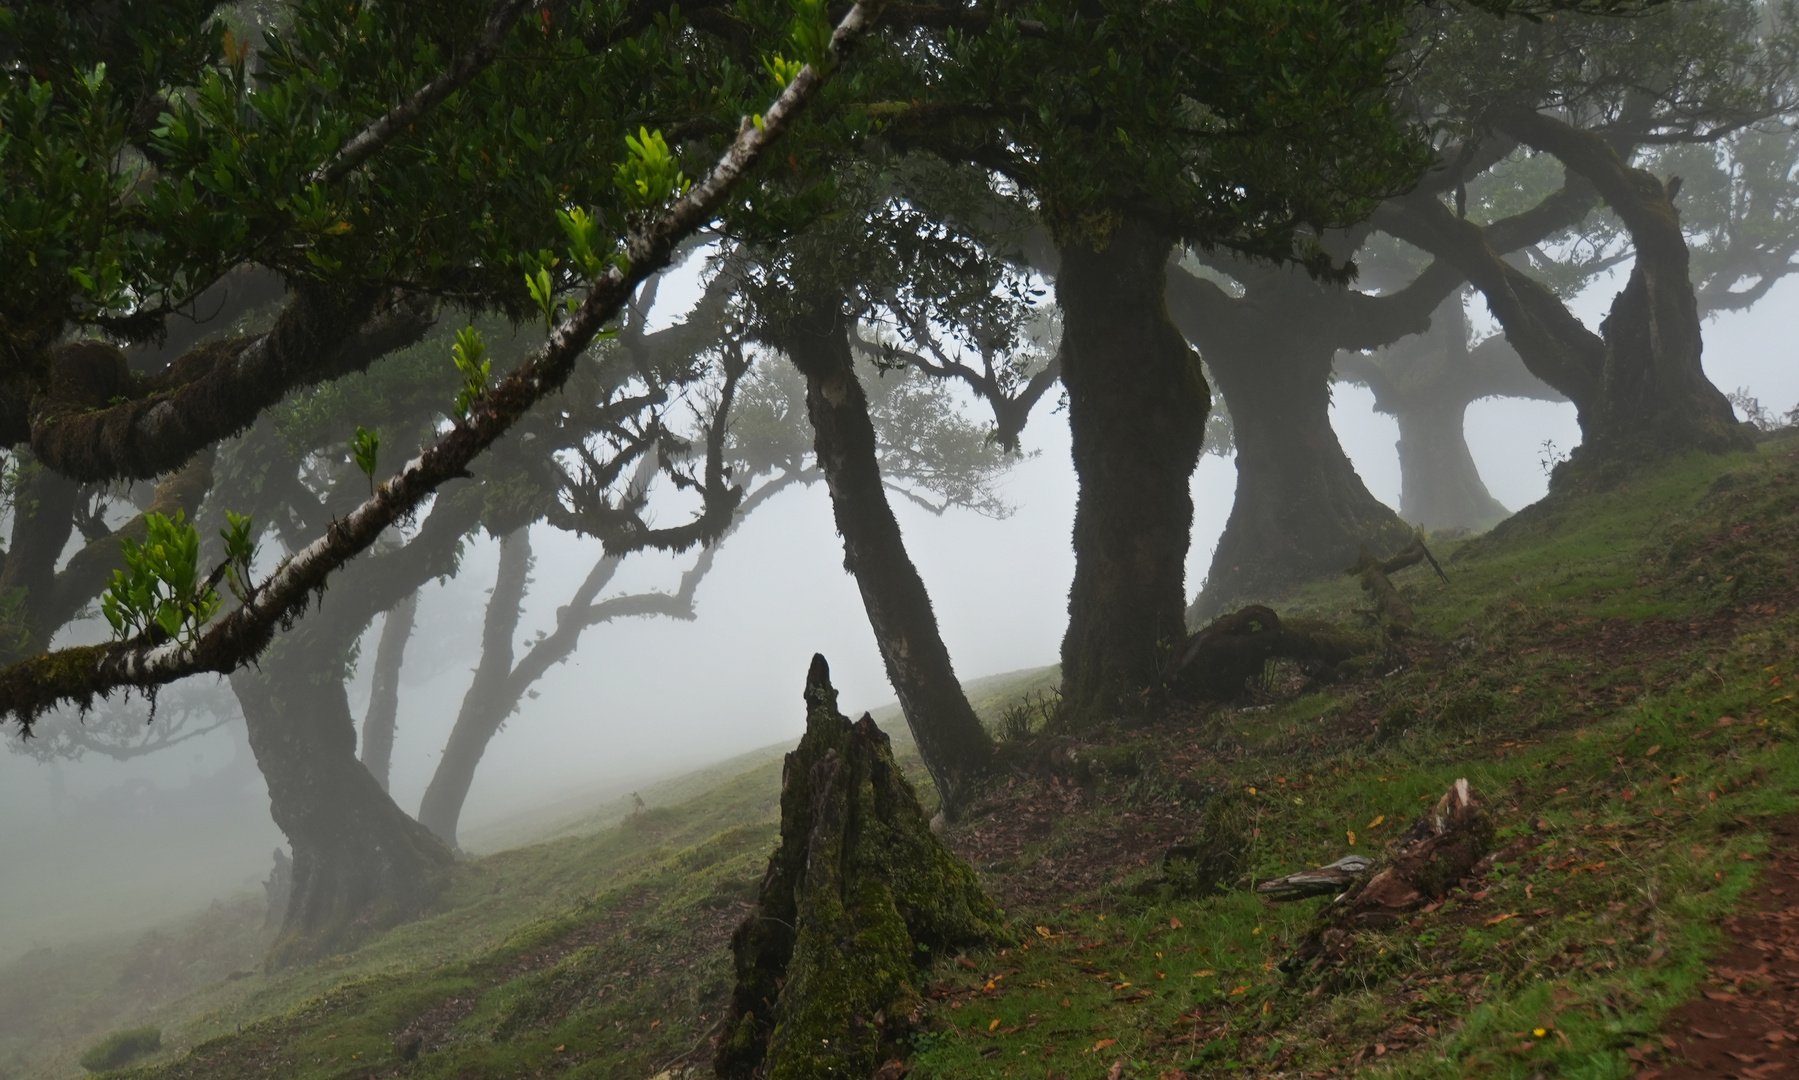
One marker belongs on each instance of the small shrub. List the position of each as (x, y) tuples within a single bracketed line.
[(122, 1047), (1024, 718)]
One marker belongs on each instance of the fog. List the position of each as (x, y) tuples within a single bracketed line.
[(100, 845)]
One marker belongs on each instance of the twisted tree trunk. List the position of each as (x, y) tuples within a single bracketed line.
[(360, 864), (1639, 385), (1137, 406), (952, 742), (1656, 397)]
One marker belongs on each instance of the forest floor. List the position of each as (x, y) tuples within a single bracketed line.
[(1614, 680)]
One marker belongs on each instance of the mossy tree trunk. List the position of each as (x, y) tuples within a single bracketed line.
[(1137, 406), (360, 864), (857, 897), (952, 742), (1657, 398), (1638, 384)]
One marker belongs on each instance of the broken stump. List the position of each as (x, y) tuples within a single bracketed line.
[(858, 896), (1422, 865)]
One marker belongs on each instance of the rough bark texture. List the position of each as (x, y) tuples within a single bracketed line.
[(360, 864), (212, 392), (952, 742), (485, 706), (1137, 407), (858, 896), (378, 724)]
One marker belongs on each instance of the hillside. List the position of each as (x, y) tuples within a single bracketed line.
[(1610, 676)]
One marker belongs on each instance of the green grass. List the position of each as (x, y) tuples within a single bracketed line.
[(1628, 819), (1576, 672)]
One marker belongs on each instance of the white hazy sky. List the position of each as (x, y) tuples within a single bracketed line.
[(649, 697)]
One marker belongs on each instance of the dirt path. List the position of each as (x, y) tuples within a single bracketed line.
[(1746, 1024)]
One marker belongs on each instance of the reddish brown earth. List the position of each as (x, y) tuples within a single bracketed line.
[(1746, 1023)]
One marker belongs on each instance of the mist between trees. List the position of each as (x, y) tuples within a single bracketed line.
[(259, 255)]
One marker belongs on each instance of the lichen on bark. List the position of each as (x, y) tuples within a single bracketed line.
[(859, 895)]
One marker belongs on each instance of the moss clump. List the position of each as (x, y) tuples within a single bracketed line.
[(858, 895), (122, 1047), (1211, 862)]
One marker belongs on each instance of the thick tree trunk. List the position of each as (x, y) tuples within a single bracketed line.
[(1426, 382), (1137, 407), (950, 738), (1639, 384), (360, 864), (486, 705), (384, 690), (1440, 487), (1656, 399), (1301, 510)]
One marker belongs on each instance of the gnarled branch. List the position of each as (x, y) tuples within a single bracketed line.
[(79, 674)]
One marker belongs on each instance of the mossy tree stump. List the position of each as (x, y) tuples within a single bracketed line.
[(859, 894)]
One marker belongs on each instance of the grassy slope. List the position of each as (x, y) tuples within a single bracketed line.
[(1576, 674), (1580, 676)]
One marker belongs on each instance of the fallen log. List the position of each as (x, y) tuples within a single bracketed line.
[(1422, 865), (1323, 881), (1222, 658), (859, 894)]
